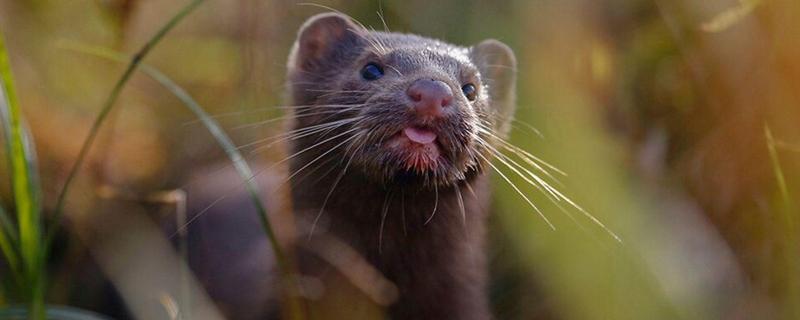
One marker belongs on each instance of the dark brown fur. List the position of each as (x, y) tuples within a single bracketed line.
[(366, 195)]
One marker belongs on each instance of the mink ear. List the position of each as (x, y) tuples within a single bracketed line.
[(498, 68), (319, 37)]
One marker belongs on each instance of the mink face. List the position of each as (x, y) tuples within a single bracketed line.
[(401, 109), (415, 123)]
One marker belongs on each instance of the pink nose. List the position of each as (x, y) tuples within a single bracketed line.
[(429, 96)]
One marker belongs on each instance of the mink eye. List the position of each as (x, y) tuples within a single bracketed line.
[(469, 91), (372, 71)]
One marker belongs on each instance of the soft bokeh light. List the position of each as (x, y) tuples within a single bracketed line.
[(677, 124)]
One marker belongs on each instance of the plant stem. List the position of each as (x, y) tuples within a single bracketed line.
[(107, 107), (25, 190)]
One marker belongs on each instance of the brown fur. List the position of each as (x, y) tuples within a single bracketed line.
[(364, 194)]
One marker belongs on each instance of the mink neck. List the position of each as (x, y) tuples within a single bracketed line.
[(389, 214), (435, 257)]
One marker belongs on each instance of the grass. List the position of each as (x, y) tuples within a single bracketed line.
[(786, 228), (26, 249), (109, 105), (23, 247), (243, 169), (584, 279)]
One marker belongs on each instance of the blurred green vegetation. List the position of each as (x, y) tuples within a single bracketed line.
[(675, 121), (21, 244)]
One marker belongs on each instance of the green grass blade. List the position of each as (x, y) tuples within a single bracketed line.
[(8, 244), (8, 232), (7, 228), (25, 188), (133, 64), (241, 166), (27, 217), (6, 224)]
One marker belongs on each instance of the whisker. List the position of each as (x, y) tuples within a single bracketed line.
[(338, 91), (299, 131), (539, 184), (196, 216), (471, 191), (386, 201), (345, 93), (541, 214), (529, 126), (532, 158), (475, 195), (296, 134), (309, 163), (259, 110), (312, 147), (311, 4), (395, 69), (500, 66), (371, 42), (263, 122), (522, 155), (461, 206), (224, 195), (589, 216), (435, 205), (230, 114), (403, 211), (320, 156), (319, 106), (380, 15), (325, 132), (378, 41), (292, 116), (356, 32), (319, 177), (553, 194), (327, 197)]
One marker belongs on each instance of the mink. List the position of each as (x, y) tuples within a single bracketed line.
[(390, 142)]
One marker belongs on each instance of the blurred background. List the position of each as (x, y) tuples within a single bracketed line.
[(677, 123)]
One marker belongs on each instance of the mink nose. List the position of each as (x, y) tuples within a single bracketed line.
[(430, 97)]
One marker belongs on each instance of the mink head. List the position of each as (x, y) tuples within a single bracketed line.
[(400, 108)]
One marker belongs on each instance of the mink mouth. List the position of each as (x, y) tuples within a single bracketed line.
[(397, 145), (419, 147)]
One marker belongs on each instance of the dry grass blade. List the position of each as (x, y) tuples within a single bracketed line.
[(776, 165), (239, 162), (730, 17), (787, 228), (134, 63)]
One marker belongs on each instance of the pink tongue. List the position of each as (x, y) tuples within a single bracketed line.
[(420, 136)]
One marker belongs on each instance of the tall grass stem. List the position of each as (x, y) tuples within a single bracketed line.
[(133, 64), (26, 193), (286, 263)]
